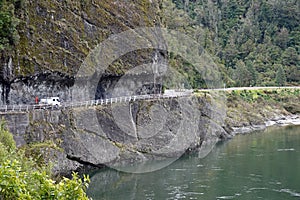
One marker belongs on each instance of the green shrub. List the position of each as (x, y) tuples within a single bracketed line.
[(22, 178), (3, 152), (15, 183), (6, 137)]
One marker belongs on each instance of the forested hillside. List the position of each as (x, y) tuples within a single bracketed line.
[(255, 42)]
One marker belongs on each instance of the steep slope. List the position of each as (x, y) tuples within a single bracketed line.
[(54, 37)]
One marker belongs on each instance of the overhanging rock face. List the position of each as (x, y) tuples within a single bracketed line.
[(57, 36)]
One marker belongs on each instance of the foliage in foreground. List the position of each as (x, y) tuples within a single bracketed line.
[(22, 178)]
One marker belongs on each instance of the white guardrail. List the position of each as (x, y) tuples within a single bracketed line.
[(151, 97)]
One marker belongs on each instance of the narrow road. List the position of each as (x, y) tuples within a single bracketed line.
[(124, 99), (150, 97), (251, 88)]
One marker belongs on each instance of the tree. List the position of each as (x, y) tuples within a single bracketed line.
[(280, 76), (8, 25), (292, 73), (282, 38), (290, 57), (242, 76), (252, 72)]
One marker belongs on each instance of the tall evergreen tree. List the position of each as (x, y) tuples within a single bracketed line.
[(280, 77)]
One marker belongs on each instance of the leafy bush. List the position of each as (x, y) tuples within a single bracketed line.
[(15, 183), (22, 178), (6, 137)]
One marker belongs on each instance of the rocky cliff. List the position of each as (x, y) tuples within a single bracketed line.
[(125, 134), (56, 36)]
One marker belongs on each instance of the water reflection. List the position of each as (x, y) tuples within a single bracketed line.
[(254, 166)]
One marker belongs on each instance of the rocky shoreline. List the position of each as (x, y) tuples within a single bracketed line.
[(277, 121)]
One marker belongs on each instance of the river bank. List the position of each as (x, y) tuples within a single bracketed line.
[(254, 110), (289, 120)]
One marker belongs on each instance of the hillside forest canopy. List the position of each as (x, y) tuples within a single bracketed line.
[(255, 42)]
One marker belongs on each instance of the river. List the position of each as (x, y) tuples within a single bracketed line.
[(260, 165)]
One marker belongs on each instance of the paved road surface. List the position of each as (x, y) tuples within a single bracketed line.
[(251, 88)]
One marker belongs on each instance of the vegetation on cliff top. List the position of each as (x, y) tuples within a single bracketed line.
[(22, 177), (253, 107)]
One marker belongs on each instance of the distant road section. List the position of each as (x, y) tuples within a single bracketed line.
[(250, 88)]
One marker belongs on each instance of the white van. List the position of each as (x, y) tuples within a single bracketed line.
[(52, 101)]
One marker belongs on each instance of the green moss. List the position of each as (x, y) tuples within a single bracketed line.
[(44, 31), (46, 144)]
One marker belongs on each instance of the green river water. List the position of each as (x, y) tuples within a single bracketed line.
[(261, 165)]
